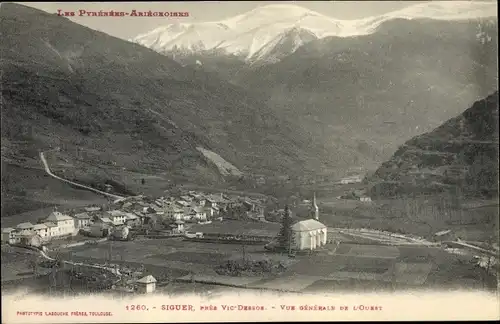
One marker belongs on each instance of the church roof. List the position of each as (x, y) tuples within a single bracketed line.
[(307, 225)]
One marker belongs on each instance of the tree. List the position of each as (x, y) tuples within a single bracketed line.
[(284, 234)]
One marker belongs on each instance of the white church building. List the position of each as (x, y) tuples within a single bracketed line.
[(310, 234)]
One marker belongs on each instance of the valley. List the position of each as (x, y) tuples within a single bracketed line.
[(277, 149)]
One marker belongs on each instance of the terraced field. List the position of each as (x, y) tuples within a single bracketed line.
[(350, 266)]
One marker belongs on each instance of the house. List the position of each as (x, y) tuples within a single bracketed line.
[(116, 216), (65, 224), (198, 213), (309, 234), (211, 202), (42, 230), (211, 211), (187, 213), (198, 199), (82, 220), (25, 226), (30, 238), (186, 198), (127, 205), (133, 220), (142, 217), (146, 284), (104, 220), (9, 236), (52, 229), (120, 232), (101, 228), (249, 206), (353, 179), (174, 212), (177, 226), (365, 199), (183, 203)]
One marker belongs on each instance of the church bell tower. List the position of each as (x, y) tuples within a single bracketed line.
[(314, 208)]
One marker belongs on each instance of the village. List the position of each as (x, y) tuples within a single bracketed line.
[(196, 240), (188, 228), (140, 214)]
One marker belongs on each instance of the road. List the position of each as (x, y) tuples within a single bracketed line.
[(47, 169)]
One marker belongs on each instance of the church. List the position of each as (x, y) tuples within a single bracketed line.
[(310, 234)]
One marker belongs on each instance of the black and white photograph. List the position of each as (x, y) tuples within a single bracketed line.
[(206, 148)]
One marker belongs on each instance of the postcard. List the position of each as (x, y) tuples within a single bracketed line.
[(249, 161)]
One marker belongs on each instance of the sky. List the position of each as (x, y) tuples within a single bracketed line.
[(199, 11)]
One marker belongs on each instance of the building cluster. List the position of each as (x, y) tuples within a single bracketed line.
[(360, 195), (56, 225), (119, 218), (192, 206), (351, 179)]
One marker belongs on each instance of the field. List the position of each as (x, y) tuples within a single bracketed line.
[(17, 263), (348, 266), (237, 228)]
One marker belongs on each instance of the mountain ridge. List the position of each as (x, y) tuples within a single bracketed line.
[(246, 34), (378, 90)]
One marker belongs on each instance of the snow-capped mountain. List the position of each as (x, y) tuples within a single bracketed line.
[(270, 32)]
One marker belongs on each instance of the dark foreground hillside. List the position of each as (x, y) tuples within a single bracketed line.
[(111, 105), (459, 157)]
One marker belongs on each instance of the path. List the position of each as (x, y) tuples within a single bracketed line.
[(112, 270), (47, 169), (382, 237), (471, 247)]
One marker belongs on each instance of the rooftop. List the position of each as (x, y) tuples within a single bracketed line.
[(198, 209), (26, 232), (25, 225), (82, 216), (116, 213), (39, 226), (7, 230), (147, 279), (56, 216), (307, 225), (50, 224)]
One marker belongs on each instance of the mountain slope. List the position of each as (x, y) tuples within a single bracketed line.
[(461, 154), (363, 96), (250, 35), (113, 105)]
